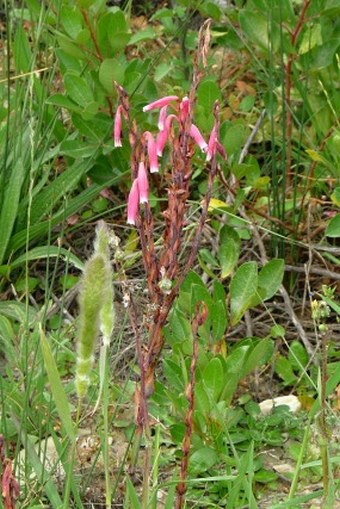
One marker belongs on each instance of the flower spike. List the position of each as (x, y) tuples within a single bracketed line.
[(212, 144), (164, 101), (162, 117), (184, 108)]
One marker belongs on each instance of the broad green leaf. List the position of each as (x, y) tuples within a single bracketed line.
[(213, 377), (86, 3), (269, 280), (22, 51), (229, 250), (255, 27), (297, 355), (207, 93), (243, 288), (162, 70), (9, 209), (42, 252), (77, 148), (257, 356), (202, 402), (111, 70), (202, 459), (218, 317), (233, 138), (333, 227), (285, 371), (57, 388), (335, 196), (72, 20), (78, 89), (18, 311), (143, 35), (62, 101)]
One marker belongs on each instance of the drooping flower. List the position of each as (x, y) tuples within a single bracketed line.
[(162, 117), (164, 101), (220, 148), (143, 184), (152, 151), (197, 136), (133, 203), (212, 144), (163, 135), (117, 129)]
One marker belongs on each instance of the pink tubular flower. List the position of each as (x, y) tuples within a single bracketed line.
[(152, 152), (133, 203), (163, 135), (164, 101), (162, 117), (143, 184), (212, 144), (221, 150), (184, 108), (197, 136), (117, 129)]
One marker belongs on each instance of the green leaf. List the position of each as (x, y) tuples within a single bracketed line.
[(285, 371), (333, 227), (258, 356), (269, 280), (229, 250), (218, 317), (44, 202), (78, 89), (207, 93), (255, 26), (22, 51), (131, 496), (162, 70), (243, 288), (213, 377), (57, 388), (40, 469), (77, 148), (62, 101), (143, 35), (10, 205), (86, 3), (18, 311), (202, 459), (111, 70), (297, 355), (233, 138), (42, 252), (72, 20)]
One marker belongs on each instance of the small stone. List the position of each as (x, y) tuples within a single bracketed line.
[(292, 402)]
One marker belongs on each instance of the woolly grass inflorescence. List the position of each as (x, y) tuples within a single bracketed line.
[(96, 308)]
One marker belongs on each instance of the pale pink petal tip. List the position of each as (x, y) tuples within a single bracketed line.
[(133, 203), (143, 184), (164, 101), (117, 129), (184, 108), (152, 152), (197, 136), (162, 117)]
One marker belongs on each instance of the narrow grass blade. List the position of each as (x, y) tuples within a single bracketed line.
[(49, 487), (57, 387), (10, 206), (131, 498), (40, 252)]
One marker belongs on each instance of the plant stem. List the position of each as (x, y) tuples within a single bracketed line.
[(199, 319), (72, 454)]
